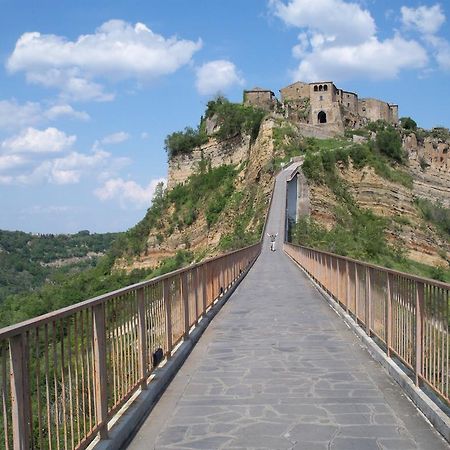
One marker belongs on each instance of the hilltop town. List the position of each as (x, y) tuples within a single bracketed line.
[(322, 104)]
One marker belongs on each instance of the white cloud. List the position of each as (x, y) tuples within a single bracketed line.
[(217, 76), (116, 51), (372, 59), (68, 169), (15, 115), (145, 135), (128, 192), (338, 41), (441, 48), (11, 161), (300, 50), (65, 110), (345, 22), (31, 140), (426, 19), (115, 138)]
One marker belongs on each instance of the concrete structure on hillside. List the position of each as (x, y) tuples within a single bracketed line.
[(322, 104)]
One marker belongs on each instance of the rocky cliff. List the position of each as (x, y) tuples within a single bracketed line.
[(244, 212), (429, 162)]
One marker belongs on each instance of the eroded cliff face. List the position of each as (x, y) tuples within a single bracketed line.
[(421, 241), (429, 162), (254, 183), (216, 153)]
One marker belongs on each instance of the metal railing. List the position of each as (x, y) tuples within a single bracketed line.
[(407, 314), (65, 374)]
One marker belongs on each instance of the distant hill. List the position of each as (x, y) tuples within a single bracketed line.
[(27, 261)]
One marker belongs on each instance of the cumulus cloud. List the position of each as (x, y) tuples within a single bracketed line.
[(372, 59), (66, 170), (344, 22), (65, 110), (426, 19), (217, 76), (338, 40), (14, 115), (11, 161), (128, 192), (115, 138), (117, 50), (31, 140)]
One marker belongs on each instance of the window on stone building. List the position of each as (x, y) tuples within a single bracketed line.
[(321, 98), (320, 87), (348, 104), (322, 117), (316, 88), (325, 88)]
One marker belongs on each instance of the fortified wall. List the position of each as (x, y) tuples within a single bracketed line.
[(322, 104)]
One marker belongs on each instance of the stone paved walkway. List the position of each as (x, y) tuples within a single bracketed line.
[(278, 369)]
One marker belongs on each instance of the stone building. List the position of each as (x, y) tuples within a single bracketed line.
[(261, 98), (323, 104)]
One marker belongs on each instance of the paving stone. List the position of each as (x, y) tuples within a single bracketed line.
[(354, 444), (313, 432), (397, 444), (172, 435), (375, 431)]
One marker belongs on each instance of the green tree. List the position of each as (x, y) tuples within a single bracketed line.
[(408, 124), (389, 142)]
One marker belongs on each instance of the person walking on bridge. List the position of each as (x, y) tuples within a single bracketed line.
[(272, 241)]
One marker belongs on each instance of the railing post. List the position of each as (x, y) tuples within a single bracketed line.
[(204, 287), (347, 286), (419, 329), (168, 311), (185, 301), (368, 301), (388, 317), (195, 290), (338, 281), (100, 371), (20, 392), (356, 292), (142, 338)]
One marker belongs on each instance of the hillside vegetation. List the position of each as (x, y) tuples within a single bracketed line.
[(352, 213), (28, 261)]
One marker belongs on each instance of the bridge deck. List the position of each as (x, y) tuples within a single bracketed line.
[(278, 369)]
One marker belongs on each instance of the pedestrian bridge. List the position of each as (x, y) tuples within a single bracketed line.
[(295, 358)]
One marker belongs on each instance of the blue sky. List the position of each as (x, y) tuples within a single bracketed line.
[(90, 89)]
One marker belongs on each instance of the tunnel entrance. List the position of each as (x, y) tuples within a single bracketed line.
[(322, 117)]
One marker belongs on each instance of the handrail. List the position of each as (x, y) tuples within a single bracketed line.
[(66, 311), (65, 374), (409, 315), (436, 283)]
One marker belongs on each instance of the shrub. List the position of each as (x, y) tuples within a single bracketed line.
[(408, 124), (389, 142), (435, 213), (312, 167), (184, 141), (234, 118)]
